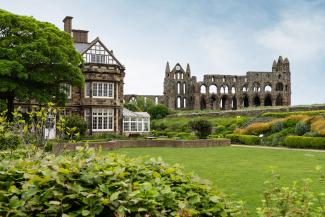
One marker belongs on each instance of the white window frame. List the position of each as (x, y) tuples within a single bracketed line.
[(140, 124), (98, 119), (98, 90)]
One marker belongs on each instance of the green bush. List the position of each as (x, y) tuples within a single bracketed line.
[(244, 139), (89, 183), (277, 127), (234, 138), (202, 128), (305, 142), (158, 111), (312, 134), (184, 136), (249, 140), (171, 134), (78, 122), (301, 128), (9, 141)]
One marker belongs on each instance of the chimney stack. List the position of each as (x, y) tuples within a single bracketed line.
[(80, 36), (68, 24)]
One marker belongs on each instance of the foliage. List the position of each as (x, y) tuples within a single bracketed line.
[(9, 141), (301, 128), (89, 183), (132, 106), (244, 139), (286, 114), (158, 111), (35, 59), (234, 138), (256, 128), (318, 125), (297, 200), (78, 122), (277, 126), (305, 142), (201, 127)]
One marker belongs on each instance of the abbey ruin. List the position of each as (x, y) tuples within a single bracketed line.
[(224, 92)]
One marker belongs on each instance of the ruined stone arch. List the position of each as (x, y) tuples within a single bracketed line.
[(256, 100), (213, 89), (178, 102), (245, 102), (233, 90), (256, 87), (245, 88), (279, 100), (234, 103), (268, 87), (184, 102), (203, 103), (213, 101), (268, 100), (203, 89), (223, 102), (178, 87), (279, 86), (224, 89)]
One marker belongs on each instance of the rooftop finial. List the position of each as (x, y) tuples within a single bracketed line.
[(167, 70)]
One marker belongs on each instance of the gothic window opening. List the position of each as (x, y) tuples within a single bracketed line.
[(257, 101), (203, 89), (279, 86), (268, 100), (213, 89), (203, 103), (223, 103), (178, 102), (184, 88), (268, 88), (184, 102), (156, 100), (234, 103), (178, 88), (279, 101), (233, 90), (245, 101)]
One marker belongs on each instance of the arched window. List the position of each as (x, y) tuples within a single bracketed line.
[(235, 79), (224, 79), (184, 88), (279, 101), (184, 102), (245, 89), (226, 89), (256, 87), (178, 88), (245, 101), (223, 103), (257, 101), (213, 89), (268, 100), (178, 102), (233, 90), (268, 88), (203, 89), (234, 103), (279, 86)]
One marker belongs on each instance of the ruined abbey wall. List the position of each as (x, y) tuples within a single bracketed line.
[(225, 92)]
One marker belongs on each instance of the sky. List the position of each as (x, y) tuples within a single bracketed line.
[(213, 36)]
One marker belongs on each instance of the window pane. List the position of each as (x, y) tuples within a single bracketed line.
[(105, 89), (100, 89), (94, 89), (110, 90), (87, 89), (110, 123), (100, 124), (105, 123), (94, 123)]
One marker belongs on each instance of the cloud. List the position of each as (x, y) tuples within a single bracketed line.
[(299, 34)]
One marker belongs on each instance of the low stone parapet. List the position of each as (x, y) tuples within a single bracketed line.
[(150, 143)]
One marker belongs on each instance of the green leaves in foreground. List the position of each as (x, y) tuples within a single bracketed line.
[(98, 184)]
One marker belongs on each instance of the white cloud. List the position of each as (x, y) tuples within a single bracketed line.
[(299, 34)]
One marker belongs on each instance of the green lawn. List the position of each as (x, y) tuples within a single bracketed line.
[(238, 171)]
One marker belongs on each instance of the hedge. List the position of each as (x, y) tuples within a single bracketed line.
[(305, 142), (244, 139), (89, 183)]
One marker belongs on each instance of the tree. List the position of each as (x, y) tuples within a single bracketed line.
[(158, 111), (35, 59), (202, 128)]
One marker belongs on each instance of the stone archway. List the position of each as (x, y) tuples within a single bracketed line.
[(257, 101), (203, 103), (279, 101), (245, 101), (213, 101), (268, 100), (223, 103), (234, 103)]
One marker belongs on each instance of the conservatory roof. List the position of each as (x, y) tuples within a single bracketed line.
[(128, 113)]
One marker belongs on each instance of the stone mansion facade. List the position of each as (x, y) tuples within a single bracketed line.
[(224, 92)]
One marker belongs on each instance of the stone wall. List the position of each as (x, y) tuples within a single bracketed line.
[(152, 143)]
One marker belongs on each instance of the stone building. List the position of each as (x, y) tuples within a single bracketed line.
[(225, 92), (101, 99)]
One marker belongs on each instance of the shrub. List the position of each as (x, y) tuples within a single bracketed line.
[(171, 134), (78, 122), (255, 128), (234, 138), (184, 136), (249, 140), (312, 134), (9, 141), (317, 124), (219, 129), (158, 111), (301, 128), (202, 128), (277, 127), (88, 183), (305, 142)]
